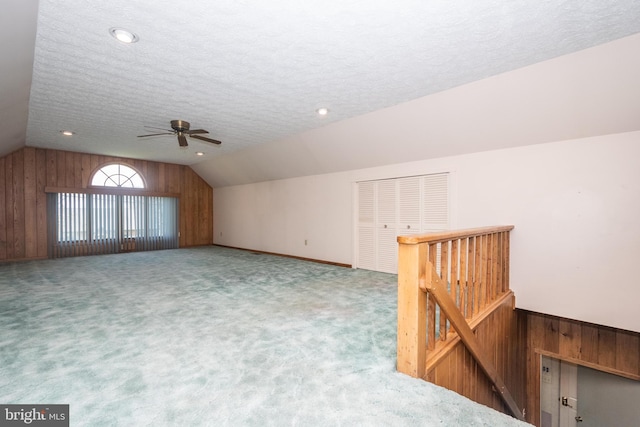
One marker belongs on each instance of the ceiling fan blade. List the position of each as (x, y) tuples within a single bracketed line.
[(204, 138), (154, 127), (156, 134), (191, 132), (182, 140)]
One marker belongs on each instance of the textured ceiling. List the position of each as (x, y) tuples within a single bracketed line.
[(255, 72)]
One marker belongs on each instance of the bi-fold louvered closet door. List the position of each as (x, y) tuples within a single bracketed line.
[(400, 206)]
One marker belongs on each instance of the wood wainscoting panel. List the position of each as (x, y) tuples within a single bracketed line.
[(500, 334), (25, 173), (607, 349)]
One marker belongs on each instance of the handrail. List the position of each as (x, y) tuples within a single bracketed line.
[(449, 279), (442, 236)]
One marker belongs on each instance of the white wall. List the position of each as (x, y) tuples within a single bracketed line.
[(575, 206), (279, 216)]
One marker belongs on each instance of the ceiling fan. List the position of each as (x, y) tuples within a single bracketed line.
[(181, 128)]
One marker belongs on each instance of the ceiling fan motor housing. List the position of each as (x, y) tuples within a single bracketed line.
[(180, 125)]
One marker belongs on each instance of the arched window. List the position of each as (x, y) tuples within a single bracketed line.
[(117, 175)]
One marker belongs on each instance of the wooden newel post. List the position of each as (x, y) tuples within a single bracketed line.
[(412, 309)]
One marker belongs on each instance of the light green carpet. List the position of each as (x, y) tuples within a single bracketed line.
[(213, 337)]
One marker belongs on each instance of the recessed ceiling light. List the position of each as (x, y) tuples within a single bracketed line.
[(322, 111), (199, 153), (67, 132), (123, 35)]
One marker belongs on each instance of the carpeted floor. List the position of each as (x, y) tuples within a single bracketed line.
[(213, 337)]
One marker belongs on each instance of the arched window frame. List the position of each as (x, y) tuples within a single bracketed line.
[(120, 182)]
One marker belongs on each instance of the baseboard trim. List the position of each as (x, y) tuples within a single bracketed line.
[(319, 261)]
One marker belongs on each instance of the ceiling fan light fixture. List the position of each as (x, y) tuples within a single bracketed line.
[(123, 35)]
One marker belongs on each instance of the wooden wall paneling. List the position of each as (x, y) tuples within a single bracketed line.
[(192, 226), (194, 220), (202, 203), (69, 170), (41, 203), (111, 159), (61, 179), (210, 213), (174, 178), (627, 361), (85, 167), (51, 168), (469, 374), (94, 162), (30, 214), (551, 336), (161, 180), (502, 346), (637, 351), (460, 369), (521, 356), (141, 167), (18, 205), (589, 348), (25, 173), (459, 372), (77, 171), (596, 346), (185, 208), (535, 340), (442, 373), (3, 213), (607, 347), (206, 199), (570, 338), (151, 175)]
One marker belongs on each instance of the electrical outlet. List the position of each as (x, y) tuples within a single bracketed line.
[(305, 242)]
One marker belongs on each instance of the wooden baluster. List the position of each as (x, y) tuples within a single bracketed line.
[(485, 272), (507, 252), (463, 277), (471, 276), (500, 264), (492, 267), (455, 257), (477, 275), (496, 267), (432, 324), (444, 275)]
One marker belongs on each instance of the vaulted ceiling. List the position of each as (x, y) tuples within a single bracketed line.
[(254, 73)]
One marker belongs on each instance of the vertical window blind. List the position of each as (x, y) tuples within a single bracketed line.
[(92, 224)]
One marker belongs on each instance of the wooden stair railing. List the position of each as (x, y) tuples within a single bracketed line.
[(451, 279)]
